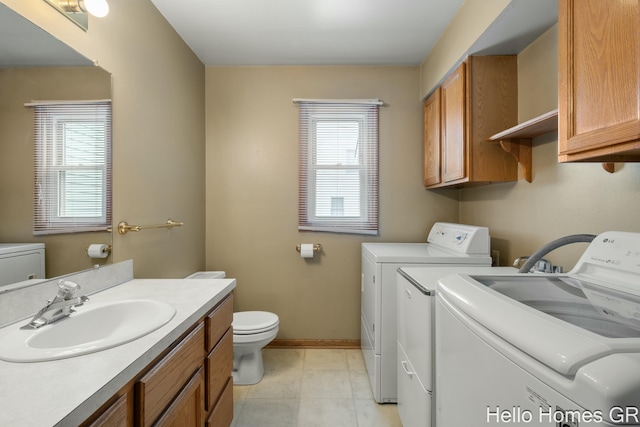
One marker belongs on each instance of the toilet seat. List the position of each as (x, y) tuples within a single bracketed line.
[(253, 322)]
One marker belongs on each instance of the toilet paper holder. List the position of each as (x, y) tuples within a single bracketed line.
[(317, 247), (105, 250)]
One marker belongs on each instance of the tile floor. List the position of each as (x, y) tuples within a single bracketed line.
[(311, 388)]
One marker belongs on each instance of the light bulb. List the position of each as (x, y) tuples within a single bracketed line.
[(98, 8)]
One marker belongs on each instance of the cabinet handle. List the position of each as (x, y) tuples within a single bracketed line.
[(404, 364), (408, 292)]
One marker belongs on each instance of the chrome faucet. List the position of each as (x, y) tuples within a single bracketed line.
[(60, 306)]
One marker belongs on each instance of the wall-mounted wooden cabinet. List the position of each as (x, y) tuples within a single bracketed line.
[(431, 170), (599, 80), (477, 100)]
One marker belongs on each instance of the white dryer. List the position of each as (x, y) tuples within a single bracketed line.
[(20, 262), (447, 244), (543, 350), (416, 295)]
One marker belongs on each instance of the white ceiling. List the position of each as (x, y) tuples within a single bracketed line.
[(309, 32), (299, 32)]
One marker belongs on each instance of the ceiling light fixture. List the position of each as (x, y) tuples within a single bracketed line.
[(98, 8)]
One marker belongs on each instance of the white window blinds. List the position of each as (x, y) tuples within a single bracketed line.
[(72, 159), (338, 166)]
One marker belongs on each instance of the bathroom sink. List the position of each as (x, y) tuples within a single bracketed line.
[(93, 327)]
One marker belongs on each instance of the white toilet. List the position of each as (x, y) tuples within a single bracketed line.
[(252, 330)]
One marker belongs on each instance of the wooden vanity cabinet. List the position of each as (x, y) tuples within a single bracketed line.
[(599, 80), (189, 385), (219, 365), (478, 99), (165, 380), (222, 414), (186, 409), (219, 401), (118, 413)]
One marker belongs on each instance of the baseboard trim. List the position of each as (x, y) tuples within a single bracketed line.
[(344, 344)]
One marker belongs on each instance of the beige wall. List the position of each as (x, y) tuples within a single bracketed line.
[(564, 198), (158, 129), (252, 189), (65, 252)]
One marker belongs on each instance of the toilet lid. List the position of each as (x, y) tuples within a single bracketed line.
[(253, 322)]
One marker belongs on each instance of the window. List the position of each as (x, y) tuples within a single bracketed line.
[(72, 166), (338, 170)]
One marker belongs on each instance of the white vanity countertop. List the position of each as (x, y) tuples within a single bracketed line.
[(67, 391)]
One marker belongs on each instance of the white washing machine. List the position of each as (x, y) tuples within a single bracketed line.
[(447, 244), (543, 350), (416, 294)]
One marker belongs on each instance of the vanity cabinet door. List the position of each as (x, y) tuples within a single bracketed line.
[(117, 414), (599, 80), (186, 410), (158, 387), (431, 143)]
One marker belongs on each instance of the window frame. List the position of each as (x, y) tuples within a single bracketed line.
[(366, 115), (50, 144)]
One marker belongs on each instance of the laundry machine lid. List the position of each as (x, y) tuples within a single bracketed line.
[(542, 337), (12, 248), (601, 310), (563, 321), (253, 321)]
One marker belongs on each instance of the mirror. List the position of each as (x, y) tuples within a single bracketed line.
[(34, 65)]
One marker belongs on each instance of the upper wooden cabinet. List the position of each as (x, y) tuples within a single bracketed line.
[(432, 139), (599, 80), (454, 126), (477, 100)]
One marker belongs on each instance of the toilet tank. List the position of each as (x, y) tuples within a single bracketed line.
[(20, 262)]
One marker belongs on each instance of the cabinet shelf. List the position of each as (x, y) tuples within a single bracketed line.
[(517, 140)]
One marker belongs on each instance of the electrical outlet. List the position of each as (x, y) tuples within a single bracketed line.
[(495, 258)]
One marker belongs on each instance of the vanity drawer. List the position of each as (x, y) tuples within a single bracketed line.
[(158, 387), (222, 414), (219, 365), (218, 321)]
